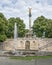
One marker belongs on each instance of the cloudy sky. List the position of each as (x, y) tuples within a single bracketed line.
[(19, 8)]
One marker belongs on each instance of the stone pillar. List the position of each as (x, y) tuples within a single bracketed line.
[(30, 18)]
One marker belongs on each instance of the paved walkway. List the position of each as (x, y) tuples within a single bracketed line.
[(7, 61)]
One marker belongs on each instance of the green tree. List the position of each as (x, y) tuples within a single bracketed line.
[(20, 27), (39, 26), (3, 27), (10, 27), (49, 29)]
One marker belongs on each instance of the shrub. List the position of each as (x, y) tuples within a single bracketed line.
[(2, 38)]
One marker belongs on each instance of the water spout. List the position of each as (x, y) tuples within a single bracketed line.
[(15, 36), (15, 31), (43, 34)]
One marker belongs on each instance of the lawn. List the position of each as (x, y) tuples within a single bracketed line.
[(30, 57)]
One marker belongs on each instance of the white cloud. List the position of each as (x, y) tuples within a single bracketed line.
[(19, 8)]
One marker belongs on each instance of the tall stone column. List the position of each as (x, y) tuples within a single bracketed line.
[(29, 34), (30, 19)]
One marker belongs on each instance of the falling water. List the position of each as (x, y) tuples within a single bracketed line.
[(43, 34), (15, 35), (15, 31)]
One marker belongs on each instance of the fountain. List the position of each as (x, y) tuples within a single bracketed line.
[(43, 34), (15, 36), (13, 51), (15, 31)]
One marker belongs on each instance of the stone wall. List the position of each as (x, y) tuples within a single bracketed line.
[(45, 44), (1, 45), (40, 44)]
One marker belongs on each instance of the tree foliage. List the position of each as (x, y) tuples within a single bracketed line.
[(7, 27), (20, 27), (3, 27), (42, 24)]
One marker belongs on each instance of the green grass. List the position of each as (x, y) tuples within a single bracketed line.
[(30, 57)]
